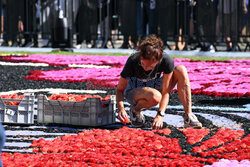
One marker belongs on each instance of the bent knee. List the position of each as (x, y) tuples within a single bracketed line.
[(156, 98), (152, 96)]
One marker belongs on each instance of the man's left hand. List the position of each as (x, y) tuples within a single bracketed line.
[(158, 122)]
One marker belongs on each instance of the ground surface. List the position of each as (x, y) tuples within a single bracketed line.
[(213, 112)]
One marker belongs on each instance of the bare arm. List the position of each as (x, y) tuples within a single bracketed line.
[(166, 88), (122, 84)]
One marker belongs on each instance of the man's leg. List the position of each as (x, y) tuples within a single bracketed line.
[(180, 76), (146, 97), (142, 98)]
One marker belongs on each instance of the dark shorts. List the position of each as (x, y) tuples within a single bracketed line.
[(129, 92)]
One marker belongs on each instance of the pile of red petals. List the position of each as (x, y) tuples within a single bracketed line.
[(194, 135), (127, 147), (237, 149), (165, 131), (222, 136)]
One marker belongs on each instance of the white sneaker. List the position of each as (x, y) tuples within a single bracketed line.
[(211, 49), (78, 46), (192, 121)]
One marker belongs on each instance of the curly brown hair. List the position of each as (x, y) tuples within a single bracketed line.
[(151, 48)]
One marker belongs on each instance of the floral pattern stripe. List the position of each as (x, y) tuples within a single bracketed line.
[(215, 78)]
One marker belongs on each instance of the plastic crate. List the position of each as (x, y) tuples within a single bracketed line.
[(91, 112), (20, 114)]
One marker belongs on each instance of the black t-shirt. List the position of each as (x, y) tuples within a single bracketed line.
[(134, 71), (133, 68)]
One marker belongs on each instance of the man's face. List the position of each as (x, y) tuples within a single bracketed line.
[(148, 65)]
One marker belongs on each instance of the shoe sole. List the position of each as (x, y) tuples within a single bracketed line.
[(137, 126), (195, 127)]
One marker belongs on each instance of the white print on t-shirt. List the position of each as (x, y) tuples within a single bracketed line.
[(137, 83)]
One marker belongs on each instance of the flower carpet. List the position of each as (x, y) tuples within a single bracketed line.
[(227, 78), (220, 92)]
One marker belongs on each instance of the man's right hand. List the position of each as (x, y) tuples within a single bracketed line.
[(123, 117)]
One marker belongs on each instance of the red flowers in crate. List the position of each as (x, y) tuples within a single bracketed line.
[(78, 98), (12, 96), (62, 97)]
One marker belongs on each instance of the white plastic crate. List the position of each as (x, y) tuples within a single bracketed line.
[(91, 112), (20, 114)]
